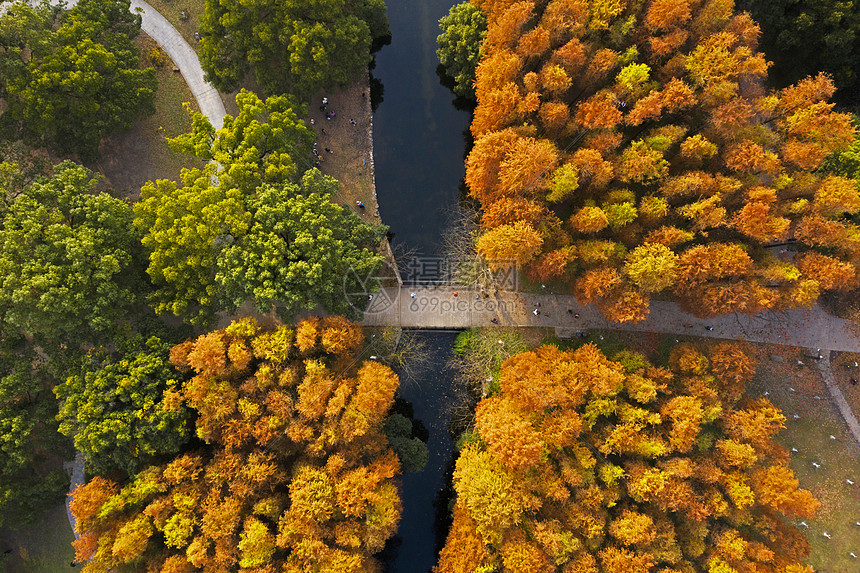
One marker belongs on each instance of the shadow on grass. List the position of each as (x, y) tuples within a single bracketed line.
[(43, 546)]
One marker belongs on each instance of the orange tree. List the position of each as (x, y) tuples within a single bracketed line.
[(296, 474), (633, 144), (580, 464)]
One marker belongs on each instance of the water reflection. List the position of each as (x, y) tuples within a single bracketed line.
[(418, 143), (425, 495)]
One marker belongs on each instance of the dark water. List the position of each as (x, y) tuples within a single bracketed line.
[(418, 154), (420, 536), (418, 134)]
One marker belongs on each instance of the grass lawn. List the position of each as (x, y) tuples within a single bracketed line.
[(131, 159), (820, 436), (172, 9), (41, 547)]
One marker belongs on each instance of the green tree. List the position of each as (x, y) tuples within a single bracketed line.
[(83, 81), (31, 450), (804, 37), (411, 450), (118, 408), (326, 54), (265, 143), (301, 251), (287, 247), (24, 28), (183, 230), (463, 32), (68, 258), (318, 43)]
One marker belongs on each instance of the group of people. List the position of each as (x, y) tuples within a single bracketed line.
[(329, 115)]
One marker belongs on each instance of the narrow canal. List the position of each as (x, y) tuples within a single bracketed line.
[(418, 154), (418, 133)]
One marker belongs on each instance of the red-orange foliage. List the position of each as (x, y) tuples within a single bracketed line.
[(658, 99), (588, 465), (830, 273), (508, 210), (667, 14), (296, 475), (599, 111), (571, 56), (464, 550)]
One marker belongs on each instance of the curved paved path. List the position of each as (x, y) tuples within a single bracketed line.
[(437, 307), (184, 57), (838, 397)]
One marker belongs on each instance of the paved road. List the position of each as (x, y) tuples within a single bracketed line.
[(838, 397), (185, 58), (75, 468), (439, 308)]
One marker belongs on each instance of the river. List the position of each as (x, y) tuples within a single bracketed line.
[(419, 149), (418, 134)]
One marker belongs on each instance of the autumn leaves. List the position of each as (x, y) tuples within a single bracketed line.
[(584, 464), (620, 141), (293, 473)]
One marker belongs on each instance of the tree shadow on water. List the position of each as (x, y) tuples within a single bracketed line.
[(459, 102)]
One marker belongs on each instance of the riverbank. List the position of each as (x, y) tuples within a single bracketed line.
[(344, 128)]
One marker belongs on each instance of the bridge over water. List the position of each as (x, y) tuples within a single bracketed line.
[(447, 307)]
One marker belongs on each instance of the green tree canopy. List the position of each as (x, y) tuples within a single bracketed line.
[(287, 247), (68, 257), (804, 37), (411, 450), (118, 408), (463, 32), (183, 230), (31, 450), (301, 251), (265, 143), (82, 81), (295, 46)]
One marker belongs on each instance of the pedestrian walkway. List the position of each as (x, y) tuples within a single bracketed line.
[(75, 469), (441, 308), (184, 57), (838, 397)]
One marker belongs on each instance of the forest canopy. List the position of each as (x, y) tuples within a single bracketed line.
[(295, 473), (71, 78), (583, 464), (258, 228), (630, 150), (297, 46)]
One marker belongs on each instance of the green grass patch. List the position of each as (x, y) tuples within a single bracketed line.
[(44, 546), (820, 436), (172, 11)]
